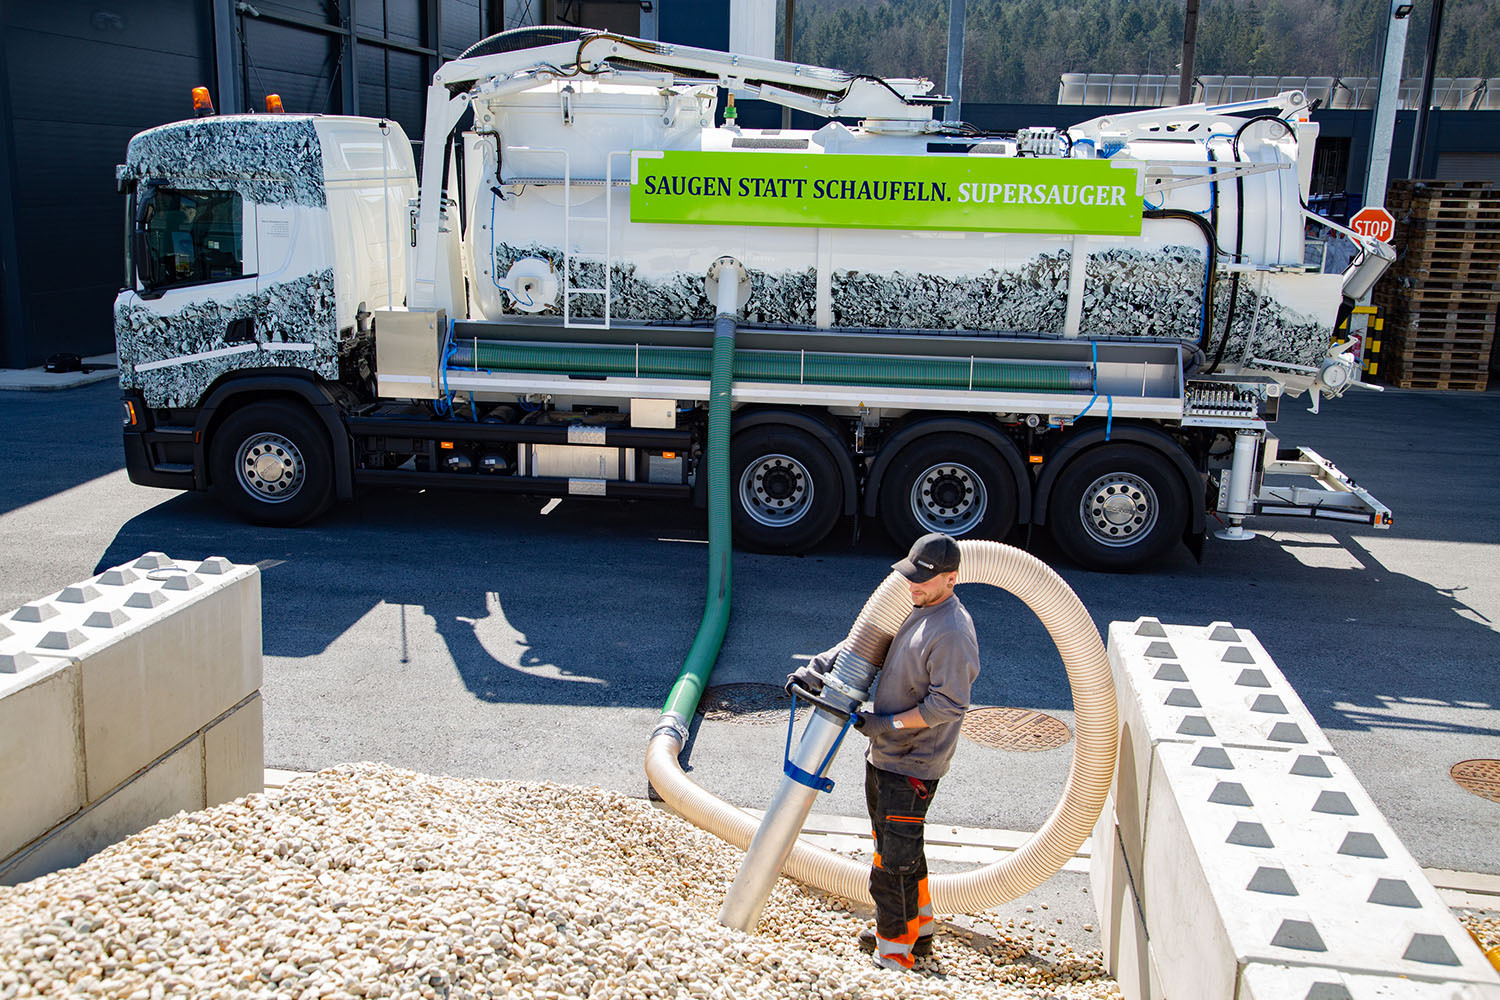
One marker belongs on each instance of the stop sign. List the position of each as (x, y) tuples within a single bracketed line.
[(1374, 221)]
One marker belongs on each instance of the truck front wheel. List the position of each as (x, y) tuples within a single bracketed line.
[(1117, 508), (785, 489), (270, 463)]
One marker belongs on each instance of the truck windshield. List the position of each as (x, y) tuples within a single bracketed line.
[(188, 237)]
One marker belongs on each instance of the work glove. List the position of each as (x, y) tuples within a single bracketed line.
[(872, 725), (808, 677)]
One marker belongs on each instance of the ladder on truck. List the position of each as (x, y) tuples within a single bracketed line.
[(605, 257)]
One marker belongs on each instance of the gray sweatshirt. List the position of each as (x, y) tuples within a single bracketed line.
[(931, 665)]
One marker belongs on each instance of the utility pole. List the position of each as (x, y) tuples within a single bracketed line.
[(786, 54), (1377, 173), (1189, 46), (955, 81), (1429, 67)]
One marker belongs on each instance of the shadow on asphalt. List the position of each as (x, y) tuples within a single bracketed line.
[(592, 603)]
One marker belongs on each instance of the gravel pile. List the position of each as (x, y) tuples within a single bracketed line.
[(367, 881)]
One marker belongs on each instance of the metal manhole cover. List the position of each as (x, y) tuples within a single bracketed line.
[(1482, 777), (1015, 729), (754, 704)]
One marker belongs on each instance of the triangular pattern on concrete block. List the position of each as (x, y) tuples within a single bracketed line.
[(1161, 651), (1249, 835), (1213, 757), (1182, 698), (1287, 732), (14, 663), (1298, 934), (1171, 672), (79, 595), (1433, 949), (117, 577), (1394, 892), (146, 599), (1230, 793), (1310, 765), (107, 619), (38, 612), (1151, 629), (1336, 803), (1269, 704), (1238, 654), (1361, 845), (1224, 634), (1252, 679), (68, 638), (1328, 991), (1195, 725), (1274, 881)]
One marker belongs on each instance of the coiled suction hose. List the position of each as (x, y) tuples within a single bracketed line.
[(1089, 776)]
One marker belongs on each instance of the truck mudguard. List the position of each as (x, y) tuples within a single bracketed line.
[(986, 432), (232, 390), (837, 449), (1087, 438)]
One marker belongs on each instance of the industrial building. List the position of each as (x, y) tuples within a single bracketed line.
[(127, 65)]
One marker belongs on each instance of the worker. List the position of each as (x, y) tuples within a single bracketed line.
[(921, 695)]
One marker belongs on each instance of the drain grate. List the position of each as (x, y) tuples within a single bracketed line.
[(751, 704), (1482, 777), (1019, 729)]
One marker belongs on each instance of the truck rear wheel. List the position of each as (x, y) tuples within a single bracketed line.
[(785, 489), (1117, 508), (953, 483), (271, 464)]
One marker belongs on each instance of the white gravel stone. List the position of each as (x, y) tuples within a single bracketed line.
[(369, 881)]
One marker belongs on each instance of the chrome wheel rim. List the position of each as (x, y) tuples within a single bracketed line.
[(776, 490), (1119, 509), (270, 468), (949, 497)]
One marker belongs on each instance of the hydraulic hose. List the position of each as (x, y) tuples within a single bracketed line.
[(683, 700), (1089, 775), (1212, 273)]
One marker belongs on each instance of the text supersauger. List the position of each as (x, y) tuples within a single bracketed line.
[(850, 190)]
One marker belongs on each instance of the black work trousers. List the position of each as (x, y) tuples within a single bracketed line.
[(898, 878)]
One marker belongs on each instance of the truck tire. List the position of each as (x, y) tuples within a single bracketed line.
[(784, 489), (1117, 508), (270, 463), (951, 483)]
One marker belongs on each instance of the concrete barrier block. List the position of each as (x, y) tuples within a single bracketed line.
[(172, 785), (169, 671), (1210, 683), (1279, 982), (234, 761), (1122, 927), (41, 749), (1256, 863)]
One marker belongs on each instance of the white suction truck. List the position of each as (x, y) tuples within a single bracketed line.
[(1087, 330)]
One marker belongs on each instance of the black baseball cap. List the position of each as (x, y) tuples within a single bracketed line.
[(930, 555)]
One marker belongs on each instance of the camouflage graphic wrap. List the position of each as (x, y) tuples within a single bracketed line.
[(270, 160), (291, 312)]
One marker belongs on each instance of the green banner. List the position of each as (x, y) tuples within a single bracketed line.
[(979, 193)]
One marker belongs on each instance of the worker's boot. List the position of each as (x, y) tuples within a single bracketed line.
[(921, 949)]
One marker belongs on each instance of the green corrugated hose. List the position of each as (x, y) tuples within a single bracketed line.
[(793, 367), (688, 691)]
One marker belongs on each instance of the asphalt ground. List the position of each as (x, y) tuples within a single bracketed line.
[(506, 637)]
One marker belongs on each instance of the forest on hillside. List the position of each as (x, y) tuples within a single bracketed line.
[(1016, 50)]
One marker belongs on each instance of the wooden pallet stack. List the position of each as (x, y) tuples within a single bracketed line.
[(1441, 296)]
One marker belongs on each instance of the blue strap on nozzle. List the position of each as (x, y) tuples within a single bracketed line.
[(796, 773)]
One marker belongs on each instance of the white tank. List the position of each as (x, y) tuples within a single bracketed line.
[(549, 203)]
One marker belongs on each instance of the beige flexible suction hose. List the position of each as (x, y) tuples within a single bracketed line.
[(1089, 777)]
